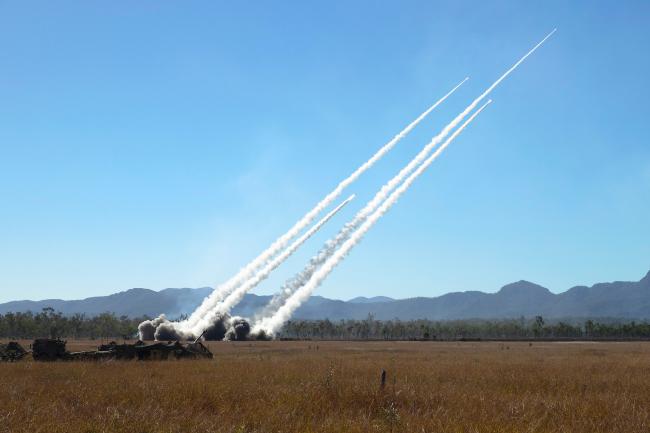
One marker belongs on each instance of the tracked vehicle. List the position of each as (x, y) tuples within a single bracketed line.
[(44, 349), (47, 349), (12, 352)]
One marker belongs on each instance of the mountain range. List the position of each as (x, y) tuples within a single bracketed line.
[(619, 299)]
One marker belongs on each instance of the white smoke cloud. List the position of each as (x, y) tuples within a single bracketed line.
[(147, 329)]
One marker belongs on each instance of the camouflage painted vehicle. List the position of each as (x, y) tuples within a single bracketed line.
[(44, 349), (172, 350), (47, 349), (120, 351), (52, 350), (12, 352), (90, 355), (197, 350)]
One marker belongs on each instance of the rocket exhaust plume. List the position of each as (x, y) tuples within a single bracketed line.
[(270, 325), (328, 249), (233, 299), (214, 324), (250, 269)]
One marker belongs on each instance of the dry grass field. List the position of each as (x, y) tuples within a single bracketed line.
[(334, 387)]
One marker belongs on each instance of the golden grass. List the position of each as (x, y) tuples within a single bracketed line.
[(293, 387)]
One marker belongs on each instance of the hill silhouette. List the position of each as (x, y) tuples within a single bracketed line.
[(619, 299)]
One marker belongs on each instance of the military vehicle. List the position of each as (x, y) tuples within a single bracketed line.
[(175, 350), (120, 351), (51, 350), (12, 351), (47, 349)]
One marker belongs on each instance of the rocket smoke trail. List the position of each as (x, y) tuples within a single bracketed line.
[(233, 299), (250, 269), (271, 324), (328, 249)]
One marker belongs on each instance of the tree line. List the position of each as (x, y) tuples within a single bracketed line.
[(522, 328), (51, 324)]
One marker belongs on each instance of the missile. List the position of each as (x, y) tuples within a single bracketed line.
[(326, 218), (345, 202)]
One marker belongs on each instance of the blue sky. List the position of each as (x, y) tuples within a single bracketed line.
[(165, 144)]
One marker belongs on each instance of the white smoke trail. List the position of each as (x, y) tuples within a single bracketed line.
[(271, 324), (328, 249), (250, 269), (233, 299)]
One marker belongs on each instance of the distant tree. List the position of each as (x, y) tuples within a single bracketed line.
[(538, 326)]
